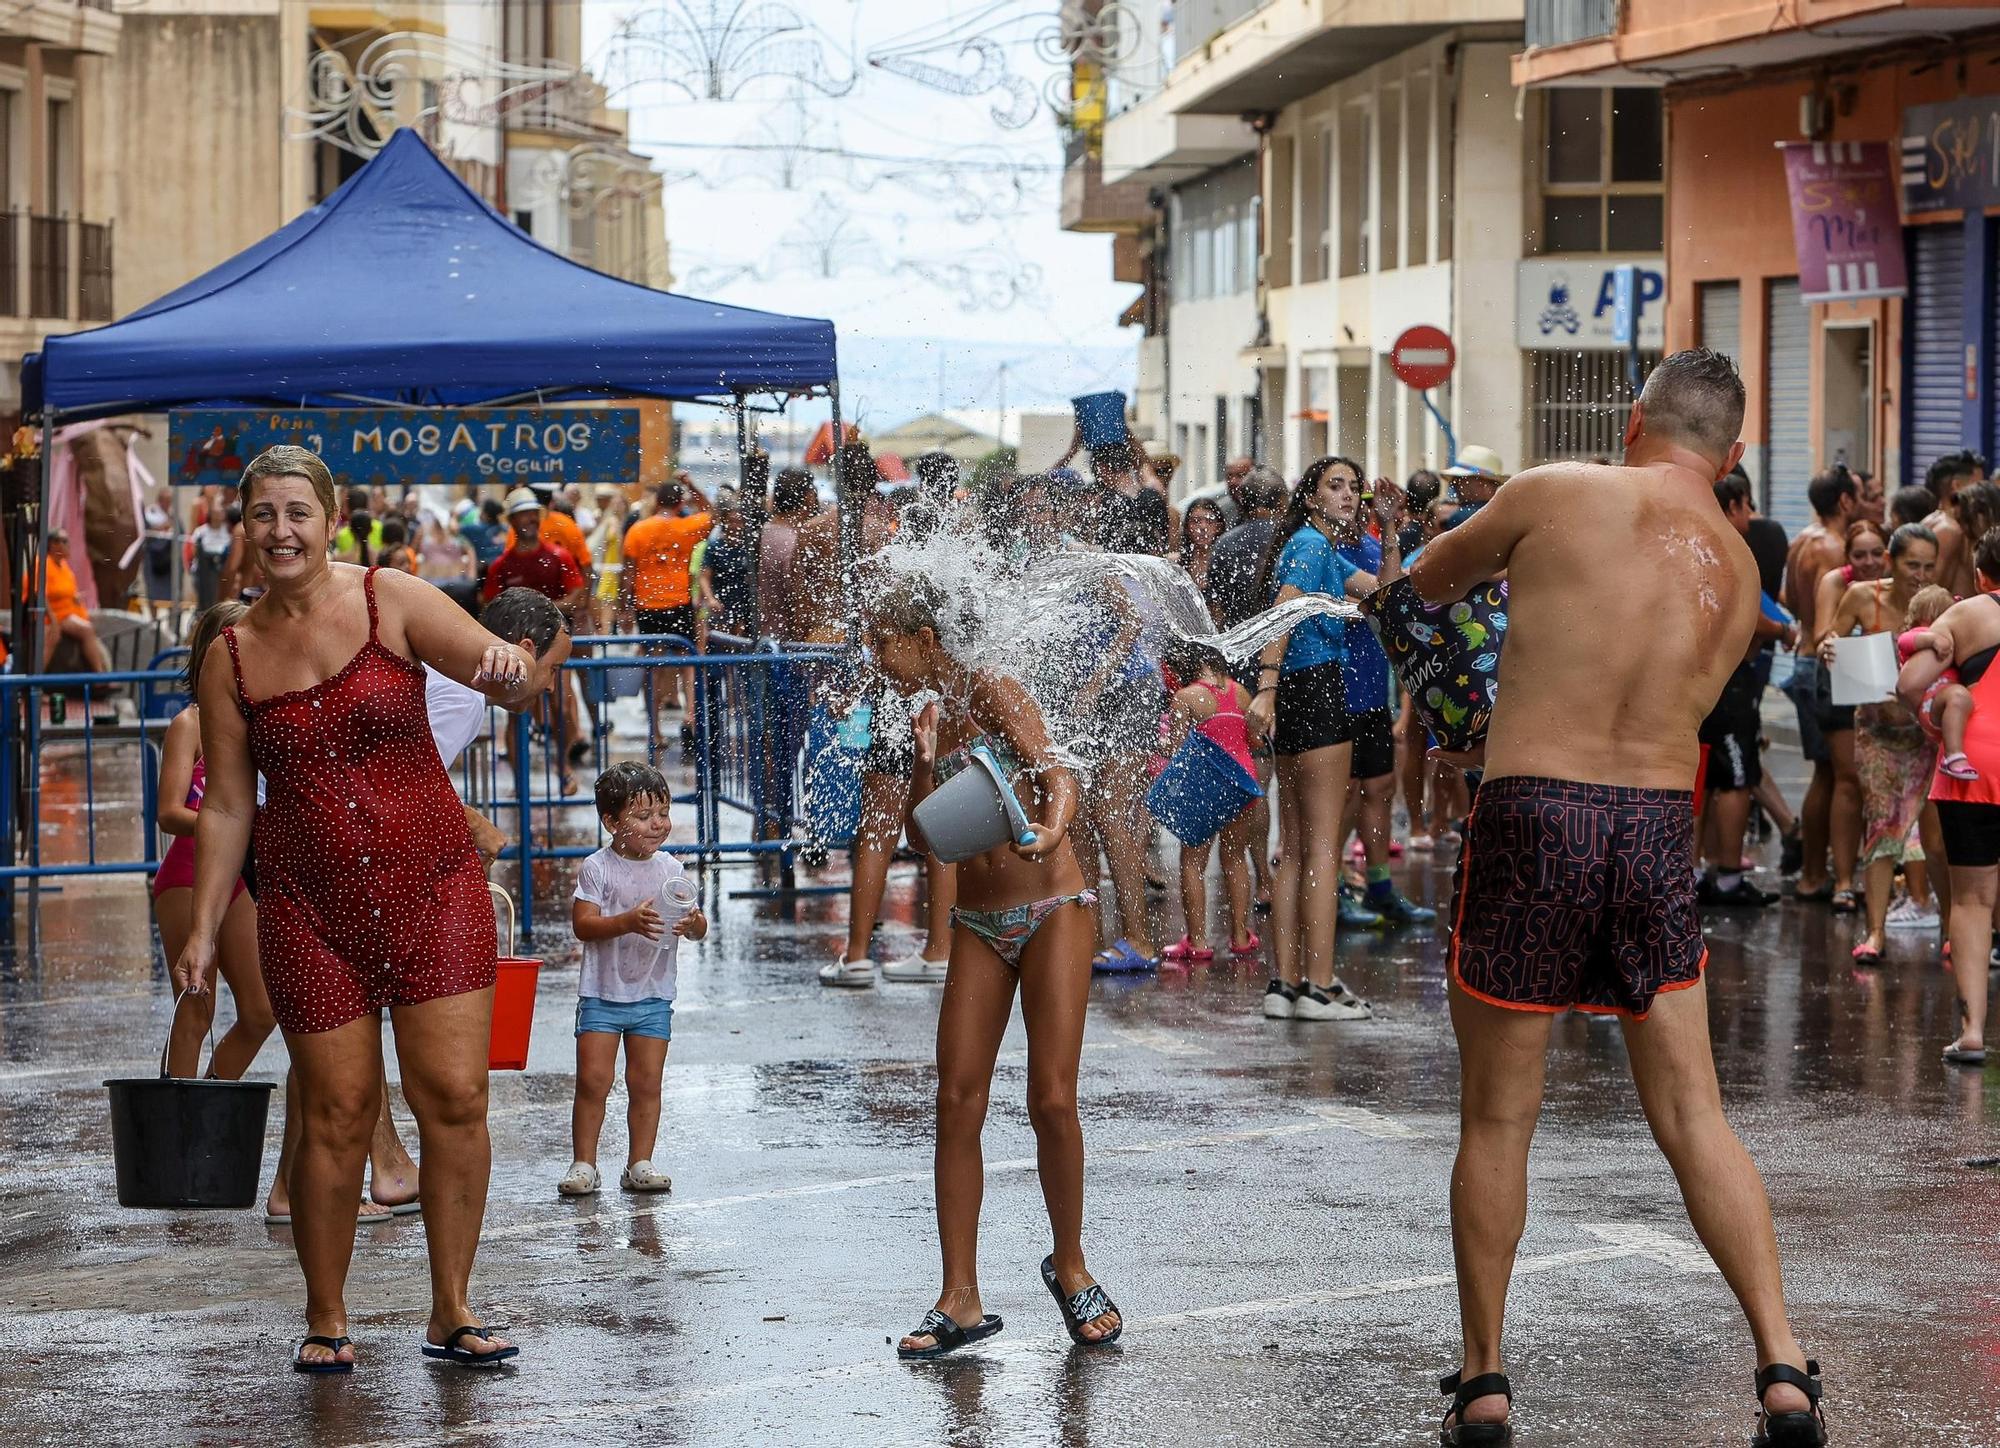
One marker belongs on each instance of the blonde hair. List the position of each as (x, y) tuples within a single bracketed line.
[(1929, 603), (207, 629), (287, 461)]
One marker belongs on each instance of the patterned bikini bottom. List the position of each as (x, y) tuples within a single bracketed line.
[(1009, 931)]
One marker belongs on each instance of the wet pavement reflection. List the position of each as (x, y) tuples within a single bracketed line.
[(1268, 1202)]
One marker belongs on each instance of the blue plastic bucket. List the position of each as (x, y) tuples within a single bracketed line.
[(1202, 789), (833, 782), (1100, 417)]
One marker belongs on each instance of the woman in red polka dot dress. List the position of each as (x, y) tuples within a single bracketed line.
[(370, 893)]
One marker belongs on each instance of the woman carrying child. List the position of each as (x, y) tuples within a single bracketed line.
[(183, 777), (1023, 920), (1213, 705)]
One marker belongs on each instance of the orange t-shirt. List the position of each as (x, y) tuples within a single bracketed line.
[(659, 553), (63, 602), (561, 529)]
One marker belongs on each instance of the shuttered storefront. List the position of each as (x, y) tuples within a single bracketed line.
[(1933, 348), (1788, 458), (1990, 375), (1722, 318)]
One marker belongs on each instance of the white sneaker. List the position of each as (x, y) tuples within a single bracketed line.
[(1337, 1004), (915, 967), (582, 1181), (1280, 1001), (855, 974), (642, 1176), (1906, 914)]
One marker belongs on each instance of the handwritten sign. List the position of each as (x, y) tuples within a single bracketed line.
[(366, 447), (1845, 226), (1951, 155)]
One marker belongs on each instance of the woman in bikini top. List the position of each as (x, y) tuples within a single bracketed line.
[(1024, 923)]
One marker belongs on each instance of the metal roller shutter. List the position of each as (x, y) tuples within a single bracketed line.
[(1722, 318), (1933, 349), (1992, 367), (1788, 460)]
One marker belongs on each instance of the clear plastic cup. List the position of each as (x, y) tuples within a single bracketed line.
[(679, 897)]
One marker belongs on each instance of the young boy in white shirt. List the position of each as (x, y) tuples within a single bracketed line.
[(626, 915)]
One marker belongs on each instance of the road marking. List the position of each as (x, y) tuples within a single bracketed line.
[(1682, 1256), (876, 1367), (1368, 1123), (885, 1179), (1167, 1043)]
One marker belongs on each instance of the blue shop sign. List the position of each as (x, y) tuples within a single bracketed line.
[(393, 447), (1951, 155)]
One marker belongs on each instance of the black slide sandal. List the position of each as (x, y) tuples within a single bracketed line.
[(331, 1365), (1790, 1430), (1078, 1308), (946, 1335), (449, 1351), (1474, 1435)]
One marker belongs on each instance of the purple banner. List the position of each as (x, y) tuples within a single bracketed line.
[(1845, 224)]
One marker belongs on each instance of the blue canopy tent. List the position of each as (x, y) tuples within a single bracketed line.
[(404, 288)]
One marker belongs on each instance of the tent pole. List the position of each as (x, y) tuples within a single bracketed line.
[(753, 484), (847, 506)]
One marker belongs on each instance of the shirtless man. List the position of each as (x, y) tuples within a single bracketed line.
[(1820, 547), (1944, 478), (1577, 885)]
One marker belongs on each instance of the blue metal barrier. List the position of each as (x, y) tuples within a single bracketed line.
[(748, 717)]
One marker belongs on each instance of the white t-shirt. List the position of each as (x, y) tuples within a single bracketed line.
[(630, 967), (457, 715), (213, 540)]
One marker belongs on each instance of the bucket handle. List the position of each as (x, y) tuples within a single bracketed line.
[(168, 1045), (501, 895)]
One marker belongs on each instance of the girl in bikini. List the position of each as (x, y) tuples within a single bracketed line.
[(1023, 921), (1213, 705)]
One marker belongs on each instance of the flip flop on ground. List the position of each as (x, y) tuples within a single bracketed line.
[(449, 1350), (329, 1365)]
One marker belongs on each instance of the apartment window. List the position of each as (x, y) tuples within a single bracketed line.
[(1215, 235), (1417, 123), (1316, 203), (61, 157), (1389, 177), (1356, 187), (1603, 171), (1278, 254)]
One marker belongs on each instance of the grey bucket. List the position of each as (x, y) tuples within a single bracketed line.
[(972, 812)]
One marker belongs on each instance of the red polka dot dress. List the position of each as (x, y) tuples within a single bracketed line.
[(369, 892)]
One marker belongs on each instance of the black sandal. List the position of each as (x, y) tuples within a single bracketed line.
[(449, 1350), (1844, 902), (1463, 1434), (946, 1335), (1790, 1430), (331, 1365), (1078, 1308)]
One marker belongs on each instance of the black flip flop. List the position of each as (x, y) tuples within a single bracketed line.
[(449, 1351), (946, 1335), (1078, 1308), (1814, 897), (332, 1365), (1474, 1435), (1844, 902)]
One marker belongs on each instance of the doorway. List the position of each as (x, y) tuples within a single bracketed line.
[(1847, 395)]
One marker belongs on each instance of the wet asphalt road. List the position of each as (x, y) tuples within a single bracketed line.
[(1268, 1203)]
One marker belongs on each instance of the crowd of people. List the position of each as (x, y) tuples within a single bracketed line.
[(321, 688)]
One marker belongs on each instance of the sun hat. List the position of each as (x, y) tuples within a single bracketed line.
[(523, 500), (1475, 461)]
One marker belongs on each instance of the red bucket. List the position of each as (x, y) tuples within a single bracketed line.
[(513, 1013)]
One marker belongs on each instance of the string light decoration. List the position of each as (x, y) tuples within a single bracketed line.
[(355, 102), (590, 177), (715, 50)]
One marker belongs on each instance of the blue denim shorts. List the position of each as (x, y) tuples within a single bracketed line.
[(650, 1017)]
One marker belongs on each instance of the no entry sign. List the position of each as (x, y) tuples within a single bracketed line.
[(1422, 358)]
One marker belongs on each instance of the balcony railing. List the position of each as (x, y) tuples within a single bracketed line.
[(1559, 22), (68, 271), (93, 271), (48, 266)]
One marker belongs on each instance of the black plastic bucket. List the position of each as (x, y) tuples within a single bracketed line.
[(181, 1144)]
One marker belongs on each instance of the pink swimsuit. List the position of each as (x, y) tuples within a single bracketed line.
[(1228, 727), (177, 868)]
